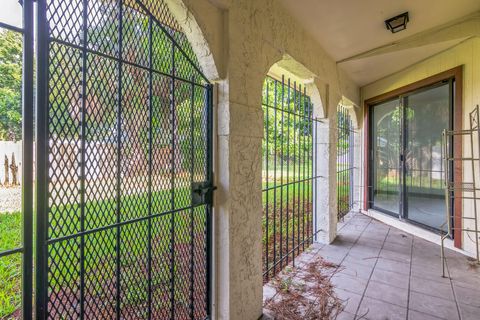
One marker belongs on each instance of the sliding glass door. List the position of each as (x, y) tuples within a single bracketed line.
[(386, 145), (427, 114), (406, 154)]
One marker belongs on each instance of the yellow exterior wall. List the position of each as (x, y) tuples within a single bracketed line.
[(466, 54)]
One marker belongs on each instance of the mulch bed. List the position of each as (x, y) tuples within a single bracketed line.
[(305, 294)]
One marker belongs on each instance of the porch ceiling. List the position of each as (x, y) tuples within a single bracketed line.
[(349, 28)]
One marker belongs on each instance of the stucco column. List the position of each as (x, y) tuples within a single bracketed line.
[(325, 188), (238, 242)]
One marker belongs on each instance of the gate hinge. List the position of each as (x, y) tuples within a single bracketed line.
[(202, 193)]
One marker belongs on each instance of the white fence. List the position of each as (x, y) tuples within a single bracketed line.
[(7, 148), (100, 162), (67, 156)]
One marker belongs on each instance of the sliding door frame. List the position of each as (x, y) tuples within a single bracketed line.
[(455, 74)]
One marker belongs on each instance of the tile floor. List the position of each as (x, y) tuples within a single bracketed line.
[(389, 274)]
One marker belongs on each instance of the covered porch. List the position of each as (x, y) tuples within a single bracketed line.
[(182, 159), (379, 272)]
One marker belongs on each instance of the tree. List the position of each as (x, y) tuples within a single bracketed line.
[(288, 133), (10, 85)]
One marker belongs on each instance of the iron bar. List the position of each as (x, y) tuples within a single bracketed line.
[(345, 161), (302, 144), (282, 152), (28, 110), (287, 191), (172, 186), (294, 165), (314, 172), (41, 161), (120, 224), (192, 171), (173, 40), (267, 152), (125, 62), (150, 164), (292, 250), (12, 251), (118, 240), (83, 138), (7, 26), (293, 175), (275, 180), (209, 203)]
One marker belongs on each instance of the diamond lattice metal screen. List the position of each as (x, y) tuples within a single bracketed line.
[(123, 162), (16, 187), (289, 175), (345, 161)]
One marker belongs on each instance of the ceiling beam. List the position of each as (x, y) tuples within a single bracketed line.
[(463, 28)]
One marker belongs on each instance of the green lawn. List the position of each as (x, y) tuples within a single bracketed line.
[(291, 195), (100, 251), (420, 185), (296, 171), (343, 192), (10, 266), (100, 247), (278, 199), (293, 201)]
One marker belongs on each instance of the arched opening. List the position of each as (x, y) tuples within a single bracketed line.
[(288, 173)]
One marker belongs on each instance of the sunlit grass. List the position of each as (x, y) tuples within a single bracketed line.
[(100, 247), (10, 266)]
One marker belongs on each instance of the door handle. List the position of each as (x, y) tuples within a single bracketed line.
[(202, 192)]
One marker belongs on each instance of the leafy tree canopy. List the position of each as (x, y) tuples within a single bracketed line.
[(10, 85)]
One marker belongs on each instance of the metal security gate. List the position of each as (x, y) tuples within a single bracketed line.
[(345, 161), (124, 165), (289, 175), (16, 97)]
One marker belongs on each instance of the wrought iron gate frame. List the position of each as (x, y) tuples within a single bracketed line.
[(26, 247), (202, 192)]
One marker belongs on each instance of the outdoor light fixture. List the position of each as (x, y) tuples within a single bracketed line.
[(397, 23)]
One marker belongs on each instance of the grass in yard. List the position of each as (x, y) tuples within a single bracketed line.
[(292, 171), (100, 251), (295, 201), (343, 193), (386, 182), (10, 266)]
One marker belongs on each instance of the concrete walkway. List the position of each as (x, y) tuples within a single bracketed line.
[(388, 274)]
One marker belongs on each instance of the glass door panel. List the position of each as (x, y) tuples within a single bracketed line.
[(386, 145), (426, 114)]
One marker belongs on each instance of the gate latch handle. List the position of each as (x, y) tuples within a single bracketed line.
[(202, 193)]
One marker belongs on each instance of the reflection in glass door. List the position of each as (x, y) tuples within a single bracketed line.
[(406, 154), (427, 113), (386, 145)]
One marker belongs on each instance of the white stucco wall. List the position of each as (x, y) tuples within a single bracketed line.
[(466, 54), (244, 38)]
